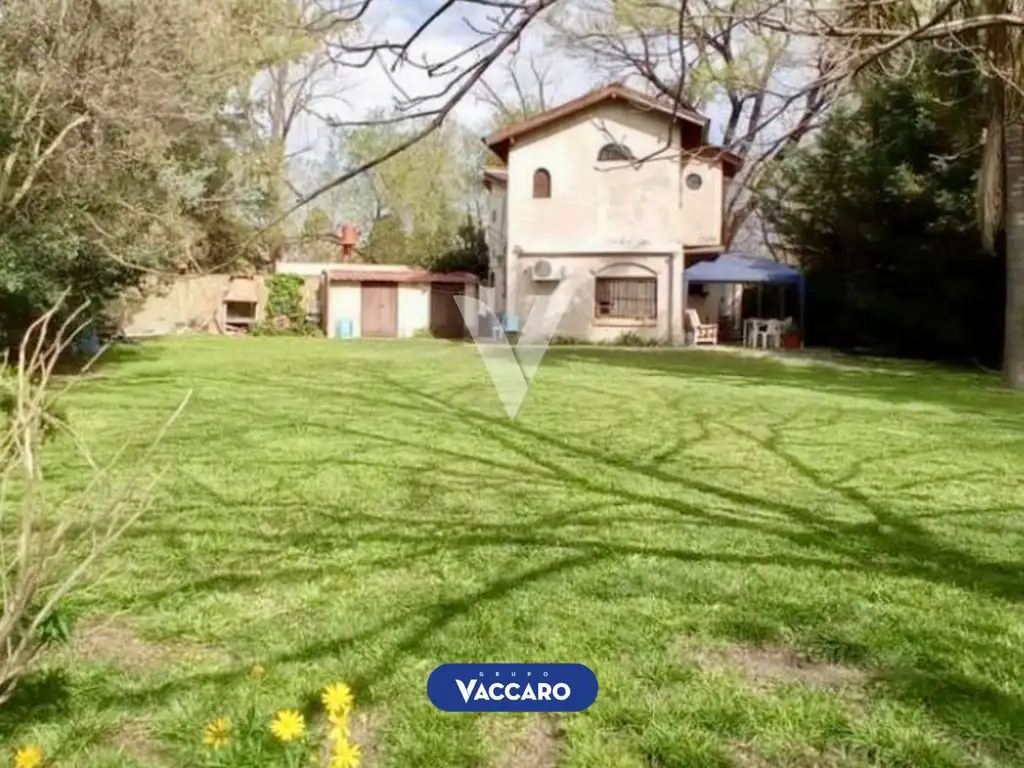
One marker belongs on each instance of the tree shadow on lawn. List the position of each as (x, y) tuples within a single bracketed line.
[(972, 709), (117, 354), (39, 698), (889, 544), (891, 382)]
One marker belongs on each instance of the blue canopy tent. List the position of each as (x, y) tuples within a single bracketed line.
[(737, 269)]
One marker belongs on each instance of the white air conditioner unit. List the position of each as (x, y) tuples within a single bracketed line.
[(544, 271)]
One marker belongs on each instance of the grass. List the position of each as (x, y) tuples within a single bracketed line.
[(765, 564)]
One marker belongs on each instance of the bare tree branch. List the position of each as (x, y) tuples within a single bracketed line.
[(499, 37)]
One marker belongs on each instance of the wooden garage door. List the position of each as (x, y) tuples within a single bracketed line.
[(446, 321), (380, 310)]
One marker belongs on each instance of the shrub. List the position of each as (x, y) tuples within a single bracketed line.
[(634, 339), (49, 545), (285, 313), (568, 341)]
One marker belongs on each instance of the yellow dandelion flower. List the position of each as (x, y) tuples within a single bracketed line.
[(288, 725), (28, 757), (339, 726), (337, 698), (257, 672), (345, 755), (215, 734)]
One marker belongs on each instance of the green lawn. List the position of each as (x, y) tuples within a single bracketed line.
[(765, 564)]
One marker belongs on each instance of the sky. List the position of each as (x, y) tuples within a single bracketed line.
[(394, 20), (369, 88)]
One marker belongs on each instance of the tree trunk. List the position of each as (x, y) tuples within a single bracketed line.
[(1013, 346), (277, 161)]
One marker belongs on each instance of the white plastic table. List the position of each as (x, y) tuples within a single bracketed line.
[(750, 328), (753, 326)]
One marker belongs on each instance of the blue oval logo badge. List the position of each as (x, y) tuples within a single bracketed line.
[(512, 687)]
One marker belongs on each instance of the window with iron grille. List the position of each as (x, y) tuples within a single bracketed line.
[(626, 298)]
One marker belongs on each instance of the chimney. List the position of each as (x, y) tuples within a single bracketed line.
[(349, 236)]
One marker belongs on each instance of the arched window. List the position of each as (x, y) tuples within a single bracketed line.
[(626, 292), (541, 183), (612, 152)]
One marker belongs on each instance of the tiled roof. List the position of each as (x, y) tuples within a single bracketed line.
[(499, 140), (398, 275), (495, 176)]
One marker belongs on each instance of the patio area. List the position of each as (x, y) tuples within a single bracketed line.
[(755, 319)]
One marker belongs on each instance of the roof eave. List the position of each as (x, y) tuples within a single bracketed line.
[(499, 141)]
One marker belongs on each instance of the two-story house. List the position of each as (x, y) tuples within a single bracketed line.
[(616, 186)]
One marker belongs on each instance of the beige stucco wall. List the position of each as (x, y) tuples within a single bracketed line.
[(496, 217), (345, 300), (702, 208), (413, 308), (580, 322), (598, 215), (604, 205), (185, 304), (195, 303), (497, 227), (721, 299), (602, 213), (596, 205), (305, 268)]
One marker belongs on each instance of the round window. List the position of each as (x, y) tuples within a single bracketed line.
[(693, 181)]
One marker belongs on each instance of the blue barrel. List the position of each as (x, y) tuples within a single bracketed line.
[(343, 328), (87, 343)]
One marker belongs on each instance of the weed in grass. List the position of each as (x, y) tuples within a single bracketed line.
[(287, 741)]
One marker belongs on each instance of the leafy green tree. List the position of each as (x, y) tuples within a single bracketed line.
[(318, 240), (421, 193), (387, 243), (881, 213), (867, 35), (123, 144), (469, 251)]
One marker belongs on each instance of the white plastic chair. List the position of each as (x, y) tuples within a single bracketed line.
[(749, 331), (770, 333)]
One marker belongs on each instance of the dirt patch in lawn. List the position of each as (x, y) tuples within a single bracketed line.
[(765, 665), (114, 642), (135, 740), (519, 742), (363, 729), (748, 757)]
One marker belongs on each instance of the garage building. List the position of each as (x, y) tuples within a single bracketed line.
[(386, 301)]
